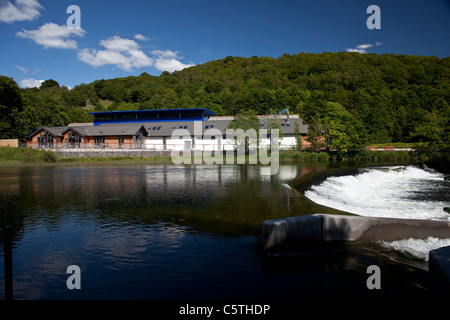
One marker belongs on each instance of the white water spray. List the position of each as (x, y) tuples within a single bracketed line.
[(391, 192)]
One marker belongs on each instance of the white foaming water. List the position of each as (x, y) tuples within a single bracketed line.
[(393, 192), (397, 192), (416, 247)]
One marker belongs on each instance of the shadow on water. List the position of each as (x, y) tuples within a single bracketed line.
[(7, 255), (182, 231)]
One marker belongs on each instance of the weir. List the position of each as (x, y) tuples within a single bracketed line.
[(323, 228)]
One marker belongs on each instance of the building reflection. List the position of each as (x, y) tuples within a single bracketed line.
[(204, 196)]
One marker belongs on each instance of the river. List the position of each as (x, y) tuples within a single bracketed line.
[(151, 231)]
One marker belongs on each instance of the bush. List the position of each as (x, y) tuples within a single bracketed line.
[(31, 155), (26, 155), (9, 154)]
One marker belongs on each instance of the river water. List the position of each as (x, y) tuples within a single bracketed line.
[(140, 231)]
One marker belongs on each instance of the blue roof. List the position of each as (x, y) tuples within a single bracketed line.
[(209, 112)]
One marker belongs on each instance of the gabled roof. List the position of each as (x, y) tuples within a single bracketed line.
[(108, 130), (288, 127), (165, 129), (55, 131)]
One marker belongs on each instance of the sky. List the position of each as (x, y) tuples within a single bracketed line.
[(40, 40)]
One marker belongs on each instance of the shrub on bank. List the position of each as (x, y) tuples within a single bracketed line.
[(26, 155), (303, 156), (360, 155)]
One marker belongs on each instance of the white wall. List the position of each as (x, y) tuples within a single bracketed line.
[(287, 142)]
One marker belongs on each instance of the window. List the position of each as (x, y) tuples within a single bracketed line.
[(104, 117), (139, 140), (147, 115), (45, 140), (209, 126), (121, 140), (168, 114), (191, 114), (99, 142), (126, 116), (74, 139)]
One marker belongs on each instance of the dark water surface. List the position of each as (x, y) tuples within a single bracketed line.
[(141, 231)]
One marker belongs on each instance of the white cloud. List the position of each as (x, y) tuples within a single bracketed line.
[(31, 83), (21, 10), (23, 69), (364, 46), (206, 51), (361, 48), (119, 44), (51, 35), (127, 55), (141, 37), (123, 53), (169, 61), (356, 50)]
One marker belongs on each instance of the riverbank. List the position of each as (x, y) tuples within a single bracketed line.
[(14, 156), (141, 220)]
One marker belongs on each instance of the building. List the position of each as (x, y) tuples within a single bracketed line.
[(168, 129)]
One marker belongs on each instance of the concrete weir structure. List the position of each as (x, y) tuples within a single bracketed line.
[(320, 228)]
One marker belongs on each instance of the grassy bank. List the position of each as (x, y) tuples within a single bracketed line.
[(24, 155), (362, 155), (155, 158), (9, 154)]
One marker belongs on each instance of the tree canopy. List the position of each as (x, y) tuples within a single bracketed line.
[(359, 98)]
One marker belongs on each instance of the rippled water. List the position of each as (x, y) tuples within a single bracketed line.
[(406, 192), (164, 232)]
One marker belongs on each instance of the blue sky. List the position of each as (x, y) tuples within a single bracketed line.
[(120, 38)]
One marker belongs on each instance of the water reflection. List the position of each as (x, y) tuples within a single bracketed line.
[(126, 226), (225, 199)]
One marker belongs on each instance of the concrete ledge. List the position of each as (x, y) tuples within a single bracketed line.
[(439, 269), (281, 231), (321, 227), (357, 228)]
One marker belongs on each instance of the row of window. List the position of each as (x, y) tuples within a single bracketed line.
[(283, 124), (46, 138), (148, 116), (180, 127)]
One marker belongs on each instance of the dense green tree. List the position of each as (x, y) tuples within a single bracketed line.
[(11, 105), (248, 122), (358, 98), (316, 131), (49, 84)]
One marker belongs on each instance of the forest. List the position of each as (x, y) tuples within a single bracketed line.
[(360, 99)]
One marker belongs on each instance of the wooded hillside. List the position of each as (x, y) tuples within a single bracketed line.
[(361, 98)]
